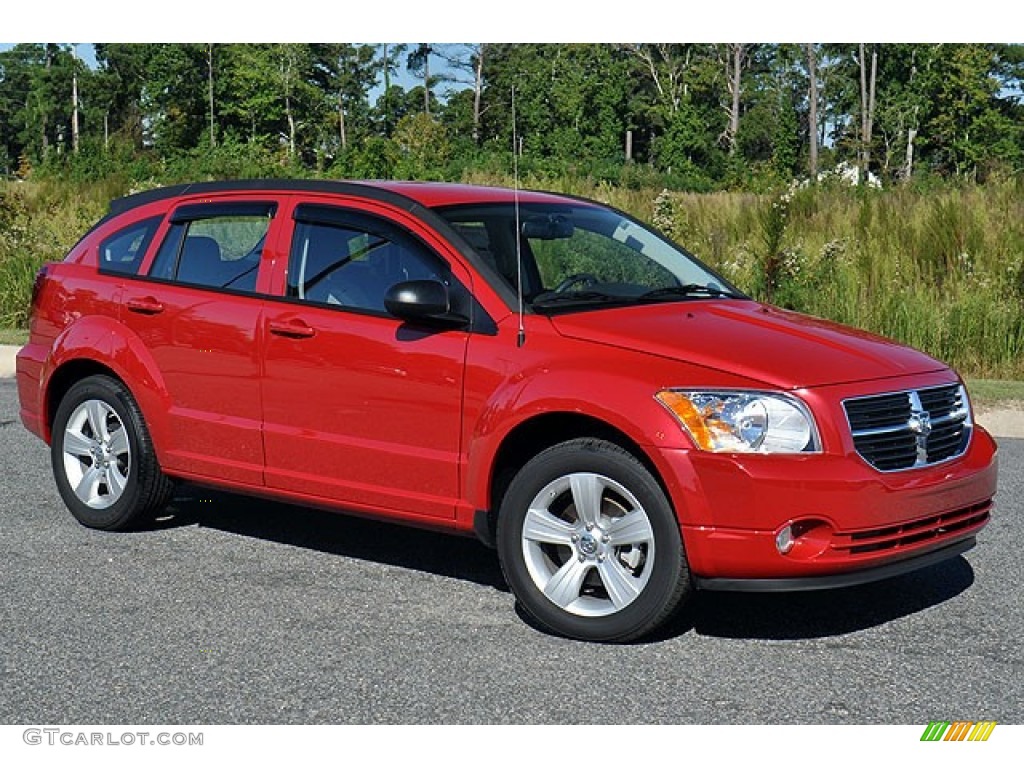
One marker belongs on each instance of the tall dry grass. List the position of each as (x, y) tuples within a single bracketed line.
[(942, 270)]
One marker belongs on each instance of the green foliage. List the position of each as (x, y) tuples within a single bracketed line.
[(38, 223), (942, 110), (969, 131), (687, 151), (422, 148)]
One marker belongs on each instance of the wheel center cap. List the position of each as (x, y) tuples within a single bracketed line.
[(588, 545)]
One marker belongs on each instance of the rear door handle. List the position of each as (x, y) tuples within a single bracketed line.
[(293, 329), (145, 306)]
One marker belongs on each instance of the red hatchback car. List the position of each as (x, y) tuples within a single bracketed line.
[(539, 370)]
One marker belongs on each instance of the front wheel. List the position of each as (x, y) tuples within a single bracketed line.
[(103, 459), (589, 543)]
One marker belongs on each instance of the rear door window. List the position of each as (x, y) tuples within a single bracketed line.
[(216, 246)]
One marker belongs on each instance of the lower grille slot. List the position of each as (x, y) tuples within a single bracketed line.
[(914, 532)]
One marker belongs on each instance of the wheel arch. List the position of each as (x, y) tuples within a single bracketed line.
[(102, 346), (64, 378), (538, 433)]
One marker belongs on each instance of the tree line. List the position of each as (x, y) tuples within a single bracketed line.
[(687, 116)]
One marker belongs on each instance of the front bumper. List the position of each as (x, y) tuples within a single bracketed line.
[(861, 524), (849, 579)]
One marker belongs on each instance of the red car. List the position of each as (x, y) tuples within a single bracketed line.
[(538, 370)]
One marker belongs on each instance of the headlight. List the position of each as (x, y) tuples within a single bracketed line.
[(742, 421)]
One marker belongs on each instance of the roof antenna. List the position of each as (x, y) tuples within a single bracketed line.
[(521, 337)]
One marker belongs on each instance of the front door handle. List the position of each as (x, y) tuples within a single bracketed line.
[(293, 329), (145, 306)]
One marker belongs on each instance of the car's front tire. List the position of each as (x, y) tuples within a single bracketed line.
[(589, 543), (103, 458)]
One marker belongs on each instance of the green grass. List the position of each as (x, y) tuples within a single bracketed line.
[(993, 392), (16, 336)]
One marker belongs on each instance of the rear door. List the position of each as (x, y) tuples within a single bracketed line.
[(198, 312), (360, 408)]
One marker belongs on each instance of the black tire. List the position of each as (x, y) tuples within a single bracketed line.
[(615, 573), (100, 446)]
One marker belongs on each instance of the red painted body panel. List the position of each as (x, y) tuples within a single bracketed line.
[(782, 349), (205, 346), (346, 408), (366, 414)]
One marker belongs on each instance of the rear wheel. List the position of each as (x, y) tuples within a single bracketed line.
[(589, 543), (103, 458)]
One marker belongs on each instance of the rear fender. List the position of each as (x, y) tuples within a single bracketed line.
[(104, 341)]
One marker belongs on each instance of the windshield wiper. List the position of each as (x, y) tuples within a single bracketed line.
[(689, 289), (549, 298)]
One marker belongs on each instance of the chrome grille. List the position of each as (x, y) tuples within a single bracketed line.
[(916, 428)]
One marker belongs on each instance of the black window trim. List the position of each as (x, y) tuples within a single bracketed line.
[(198, 211)]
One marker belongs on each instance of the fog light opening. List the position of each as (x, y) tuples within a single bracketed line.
[(784, 540)]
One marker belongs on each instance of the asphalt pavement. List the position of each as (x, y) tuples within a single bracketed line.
[(231, 610)]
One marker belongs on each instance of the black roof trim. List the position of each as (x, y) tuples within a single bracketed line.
[(122, 204)]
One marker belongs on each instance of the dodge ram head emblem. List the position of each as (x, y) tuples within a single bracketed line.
[(920, 423)]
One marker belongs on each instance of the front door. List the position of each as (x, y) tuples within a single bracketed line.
[(360, 408)]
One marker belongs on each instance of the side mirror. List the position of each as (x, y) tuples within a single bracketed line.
[(424, 302)]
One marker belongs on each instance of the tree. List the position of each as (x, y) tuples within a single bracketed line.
[(175, 96), (209, 80), (423, 147), (466, 63), (970, 129), (867, 106), (121, 80), (418, 63), (734, 58), (389, 68), (671, 79), (346, 73), (812, 111)]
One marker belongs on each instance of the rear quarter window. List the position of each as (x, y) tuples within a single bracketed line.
[(122, 252)]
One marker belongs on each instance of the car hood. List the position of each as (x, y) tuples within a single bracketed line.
[(780, 348)]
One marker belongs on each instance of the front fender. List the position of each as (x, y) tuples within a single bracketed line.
[(620, 396)]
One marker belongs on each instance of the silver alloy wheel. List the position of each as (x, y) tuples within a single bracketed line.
[(588, 544), (97, 454)]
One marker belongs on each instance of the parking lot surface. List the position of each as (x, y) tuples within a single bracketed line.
[(234, 610)]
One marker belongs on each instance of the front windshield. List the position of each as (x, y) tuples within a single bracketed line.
[(578, 255)]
